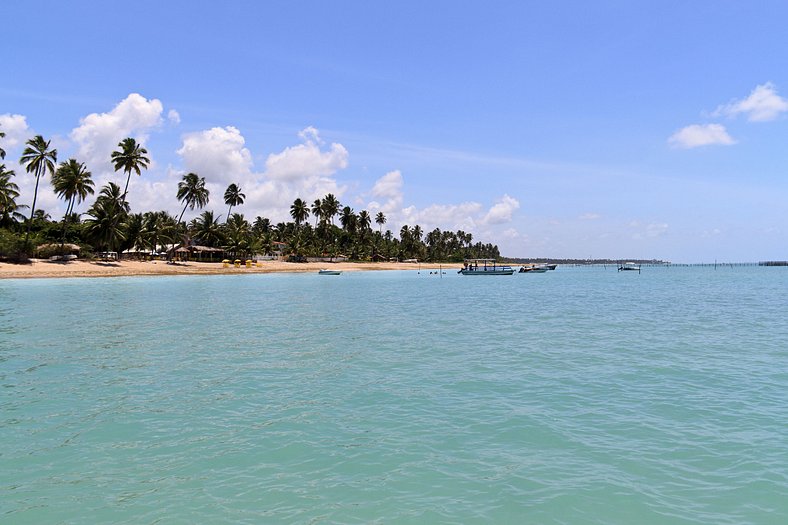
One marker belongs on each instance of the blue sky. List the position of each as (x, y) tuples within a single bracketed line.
[(563, 129)]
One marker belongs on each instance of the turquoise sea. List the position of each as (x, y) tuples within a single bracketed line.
[(577, 396)]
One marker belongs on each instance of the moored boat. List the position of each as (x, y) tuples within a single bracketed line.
[(538, 268), (485, 267), (329, 272), (629, 267)]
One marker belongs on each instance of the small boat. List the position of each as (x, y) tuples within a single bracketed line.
[(534, 269), (629, 267), (550, 266), (485, 267), (329, 272)]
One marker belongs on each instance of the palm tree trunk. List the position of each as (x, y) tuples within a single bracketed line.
[(184, 211), (65, 224), (33, 208), (228, 213), (126, 189)]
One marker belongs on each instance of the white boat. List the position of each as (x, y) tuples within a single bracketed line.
[(485, 267), (329, 272), (534, 269), (629, 267)]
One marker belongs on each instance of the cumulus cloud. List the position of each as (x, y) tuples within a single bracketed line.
[(389, 185), (174, 117), (501, 212), (388, 188), (304, 171), (464, 216), (698, 135), (218, 154), (15, 129), (649, 231), (510, 234), (99, 133), (761, 105), (306, 160), (388, 196)]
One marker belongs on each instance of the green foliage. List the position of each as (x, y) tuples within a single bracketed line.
[(108, 225), (14, 248)]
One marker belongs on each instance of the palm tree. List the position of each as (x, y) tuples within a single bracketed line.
[(192, 191), (2, 151), (299, 211), (233, 197), (158, 227), (317, 211), (103, 224), (72, 182), (348, 219), (380, 220), (329, 208), (239, 236), (262, 225), (130, 157), (364, 221), (133, 232), (207, 229), (111, 195), (39, 159), (9, 192), (416, 233)]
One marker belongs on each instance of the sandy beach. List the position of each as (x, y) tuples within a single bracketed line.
[(48, 269)]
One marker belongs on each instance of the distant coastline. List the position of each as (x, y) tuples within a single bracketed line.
[(550, 260)]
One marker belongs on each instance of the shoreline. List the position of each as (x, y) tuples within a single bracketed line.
[(44, 269)]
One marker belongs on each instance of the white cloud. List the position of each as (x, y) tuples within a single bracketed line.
[(310, 134), (174, 117), (306, 160), (761, 105), (445, 216), (511, 234), (650, 231), (389, 185), (218, 154), (15, 129), (698, 135), (589, 216), (501, 211), (302, 171), (98, 134)]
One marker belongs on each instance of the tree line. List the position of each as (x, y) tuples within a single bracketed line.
[(324, 228)]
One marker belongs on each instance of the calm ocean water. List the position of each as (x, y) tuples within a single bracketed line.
[(576, 396)]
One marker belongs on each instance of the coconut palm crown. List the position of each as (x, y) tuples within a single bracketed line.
[(130, 157), (192, 192), (233, 197), (73, 183), (299, 211), (39, 160)]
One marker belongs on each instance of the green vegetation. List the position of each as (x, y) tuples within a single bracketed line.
[(111, 225)]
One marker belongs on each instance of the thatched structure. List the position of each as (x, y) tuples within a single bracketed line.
[(67, 248)]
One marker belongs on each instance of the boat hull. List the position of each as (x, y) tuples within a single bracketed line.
[(330, 272), (487, 272)]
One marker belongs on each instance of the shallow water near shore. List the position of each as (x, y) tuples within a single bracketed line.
[(576, 396)]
